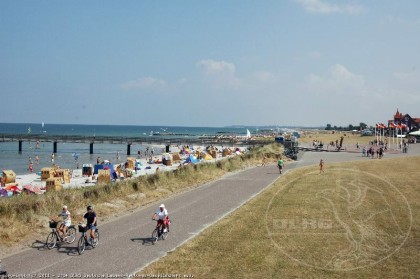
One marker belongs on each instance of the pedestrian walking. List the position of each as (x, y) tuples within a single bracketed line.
[(280, 165), (264, 161), (321, 166)]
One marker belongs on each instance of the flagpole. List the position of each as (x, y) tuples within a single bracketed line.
[(383, 134), (401, 138), (379, 131), (393, 137)]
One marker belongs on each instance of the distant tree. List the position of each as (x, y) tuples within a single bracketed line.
[(335, 128), (328, 127), (351, 127), (363, 125)]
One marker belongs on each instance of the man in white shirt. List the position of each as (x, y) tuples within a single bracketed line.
[(161, 215)]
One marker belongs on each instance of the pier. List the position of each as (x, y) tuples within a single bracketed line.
[(151, 140)]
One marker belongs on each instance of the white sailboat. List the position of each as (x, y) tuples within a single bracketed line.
[(248, 133)]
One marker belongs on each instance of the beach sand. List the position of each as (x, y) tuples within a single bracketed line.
[(78, 180)]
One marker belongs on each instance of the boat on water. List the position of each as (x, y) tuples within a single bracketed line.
[(43, 125)]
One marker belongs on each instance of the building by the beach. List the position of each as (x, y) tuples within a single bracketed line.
[(412, 124)]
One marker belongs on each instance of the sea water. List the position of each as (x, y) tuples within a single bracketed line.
[(73, 155)]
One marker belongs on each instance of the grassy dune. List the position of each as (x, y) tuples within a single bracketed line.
[(26, 216), (356, 220)]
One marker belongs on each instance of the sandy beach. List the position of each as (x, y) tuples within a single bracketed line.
[(77, 179)]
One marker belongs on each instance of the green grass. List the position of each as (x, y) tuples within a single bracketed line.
[(357, 220)]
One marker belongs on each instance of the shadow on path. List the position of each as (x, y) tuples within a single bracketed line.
[(143, 240)]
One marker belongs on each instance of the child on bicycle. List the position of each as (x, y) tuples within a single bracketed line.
[(161, 215)]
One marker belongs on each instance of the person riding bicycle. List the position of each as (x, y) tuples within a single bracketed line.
[(161, 215), (90, 217), (65, 214)]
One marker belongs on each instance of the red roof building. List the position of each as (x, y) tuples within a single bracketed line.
[(412, 124)]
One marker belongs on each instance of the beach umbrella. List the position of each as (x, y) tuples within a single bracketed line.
[(32, 189)]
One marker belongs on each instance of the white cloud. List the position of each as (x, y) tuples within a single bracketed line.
[(410, 77), (264, 76), (145, 82), (212, 67), (408, 86), (340, 93), (314, 55), (220, 74), (339, 80), (322, 7)]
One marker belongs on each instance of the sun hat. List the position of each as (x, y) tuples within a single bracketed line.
[(162, 205)]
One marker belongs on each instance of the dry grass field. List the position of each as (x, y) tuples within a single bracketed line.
[(356, 220), (350, 139)]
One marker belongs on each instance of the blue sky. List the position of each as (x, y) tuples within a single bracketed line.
[(209, 63)]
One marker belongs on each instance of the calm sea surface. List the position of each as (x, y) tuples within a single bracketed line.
[(10, 158)]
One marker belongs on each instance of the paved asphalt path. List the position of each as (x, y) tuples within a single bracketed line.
[(125, 245)]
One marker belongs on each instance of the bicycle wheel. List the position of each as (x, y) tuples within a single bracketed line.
[(155, 235), (81, 245), (51, 240), (96, 241), (164, 235), (71, 235)]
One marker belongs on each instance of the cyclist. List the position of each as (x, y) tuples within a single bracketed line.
[(90, 217), (65, 214), (161, 215)]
